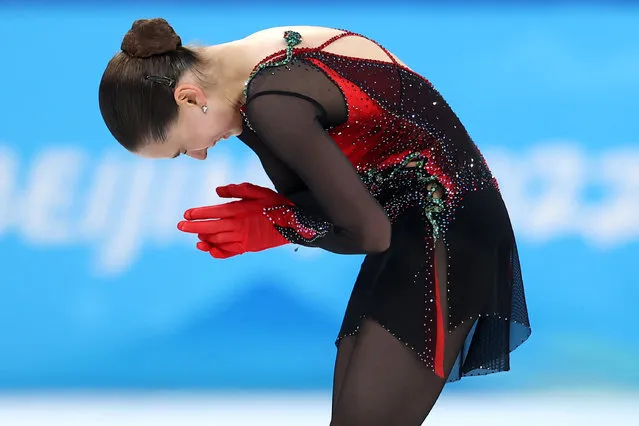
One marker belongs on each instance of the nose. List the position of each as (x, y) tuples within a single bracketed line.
[(199, 154)]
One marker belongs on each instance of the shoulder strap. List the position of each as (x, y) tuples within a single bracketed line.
[(294, 38), (347, 33)]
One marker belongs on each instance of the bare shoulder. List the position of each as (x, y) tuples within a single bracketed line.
[(270, 39), (311, 36)]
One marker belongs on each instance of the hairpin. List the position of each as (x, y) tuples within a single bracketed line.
[(161, 80)]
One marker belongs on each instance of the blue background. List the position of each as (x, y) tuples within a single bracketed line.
[(99, 290)]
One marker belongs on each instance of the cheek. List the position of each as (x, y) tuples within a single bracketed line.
[(193, 134), (189, 125), (225, 120), (202, 128)]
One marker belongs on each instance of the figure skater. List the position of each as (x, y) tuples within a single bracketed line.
[(366, 158)]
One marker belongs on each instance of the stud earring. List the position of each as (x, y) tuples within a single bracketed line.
[(204, 109)]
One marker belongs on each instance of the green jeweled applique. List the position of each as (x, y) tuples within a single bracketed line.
[(292, 38), (432, 206)]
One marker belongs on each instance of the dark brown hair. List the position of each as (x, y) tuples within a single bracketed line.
[(136, 90)]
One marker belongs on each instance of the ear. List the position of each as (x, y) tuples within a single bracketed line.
[(189, 94)]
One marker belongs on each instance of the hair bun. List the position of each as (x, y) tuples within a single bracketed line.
[(149, 37)]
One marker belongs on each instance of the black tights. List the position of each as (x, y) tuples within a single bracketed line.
[(380, 382)]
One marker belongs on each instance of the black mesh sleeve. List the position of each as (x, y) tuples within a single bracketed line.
[(287, 108)]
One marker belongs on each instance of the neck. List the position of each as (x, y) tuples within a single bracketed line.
[(230, 65)]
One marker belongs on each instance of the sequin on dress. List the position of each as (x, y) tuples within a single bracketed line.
[(357, 142)]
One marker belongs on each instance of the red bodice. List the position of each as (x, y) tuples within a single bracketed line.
[(394, 113)]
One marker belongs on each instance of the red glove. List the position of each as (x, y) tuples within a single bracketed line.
[(237, 227)]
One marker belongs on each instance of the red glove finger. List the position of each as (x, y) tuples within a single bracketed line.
[(245, 191), (229, 249), (221, 254), (221, 238), (234, 208), (216, 252), (225, 251), (204, 246), (211, 226)]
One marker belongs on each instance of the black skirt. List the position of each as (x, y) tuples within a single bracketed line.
[(399, 290)]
